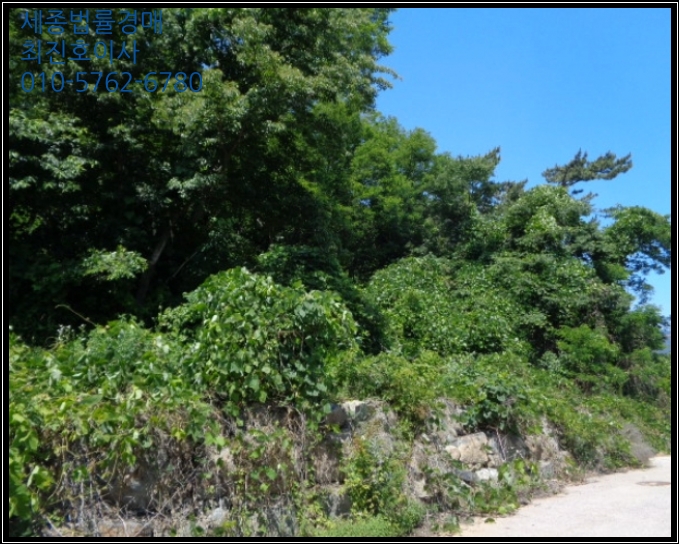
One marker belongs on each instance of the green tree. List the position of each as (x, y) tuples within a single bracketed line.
[(640, 240), (388, 173), (607, 166), (191, 182)]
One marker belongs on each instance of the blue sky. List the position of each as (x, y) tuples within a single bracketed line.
[(542, 84)]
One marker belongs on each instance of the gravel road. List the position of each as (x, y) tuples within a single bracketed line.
[(637, 503)]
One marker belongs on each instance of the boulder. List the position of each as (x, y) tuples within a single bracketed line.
[(472, 450), (487, 475), (542, 447), (547, 470), (336, 502), (359, 410), (443, 426), (374, 424), (325, 459), (224, 460), (337, 416), (507, 448), (105, 528)]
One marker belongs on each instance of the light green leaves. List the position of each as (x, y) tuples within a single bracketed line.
[(259, 341), (114, 265)]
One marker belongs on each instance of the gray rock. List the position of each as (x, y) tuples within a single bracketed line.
[(471, 450), (547, 470), (107, 528), (443, 426), (358, 410), (419, 490), (639, 448), (135, 489), (337, 416), (277, 521), (122, 528), (375, 425), (217, 517), (326, 461), (336, 503), (419, 458), (224, 460), (542, 447), (487, 475), (468, 476), (507, 448)]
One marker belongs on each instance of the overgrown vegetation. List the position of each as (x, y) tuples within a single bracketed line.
[(196, 278)]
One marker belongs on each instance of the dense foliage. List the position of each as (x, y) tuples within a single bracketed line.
[(178, 258)]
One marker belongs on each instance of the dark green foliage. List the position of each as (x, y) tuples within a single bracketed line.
[(640, 328), (589, 357), (320, 270), (495, 389), (193, 183), (649, 376), (247, 339), (639, 240), (433, 306), (607, 166), (457, 190), (389, 175), (375, 482), (381, 267), (408, 385), (84, 411)]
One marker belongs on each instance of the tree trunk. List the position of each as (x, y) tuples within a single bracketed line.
[(148, 274)]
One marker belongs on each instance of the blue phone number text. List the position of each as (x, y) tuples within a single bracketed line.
[(112, 82)]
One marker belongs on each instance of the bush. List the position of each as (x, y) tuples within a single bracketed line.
[(87, 409), (590, 358), (495, 390), (375, 483), (408, 385), (431, 306), (650, 376), (319, 270), (370, 527), (248, 339)]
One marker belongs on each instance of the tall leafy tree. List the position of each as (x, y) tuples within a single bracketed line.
[(388, 177), (188, 182)]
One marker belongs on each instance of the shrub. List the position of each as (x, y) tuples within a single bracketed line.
[(431, 306), (369, 527), (590, 358), (495, 390), (650, 375), (320, 270), (409, 385), (248, 339), (87, 409), (375, 483)]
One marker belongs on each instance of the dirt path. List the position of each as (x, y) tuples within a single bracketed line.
[(637, 503)]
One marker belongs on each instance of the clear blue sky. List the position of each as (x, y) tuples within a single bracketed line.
[(542, 84)]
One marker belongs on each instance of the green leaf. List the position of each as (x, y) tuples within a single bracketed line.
[(91, 400)]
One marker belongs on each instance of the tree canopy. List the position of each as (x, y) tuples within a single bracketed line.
[(177, 255)]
